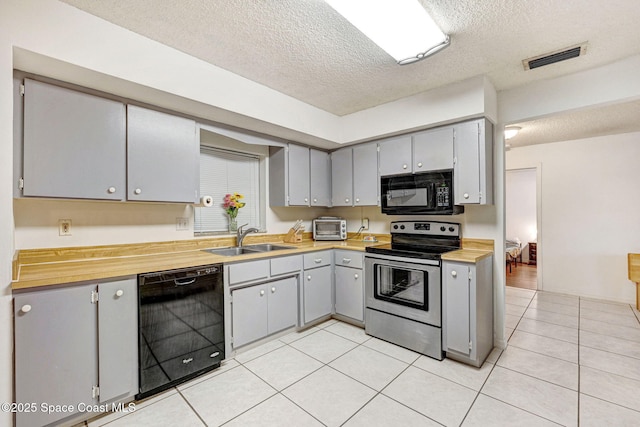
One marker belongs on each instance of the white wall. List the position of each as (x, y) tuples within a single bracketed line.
[(520, 209), (589, 213)]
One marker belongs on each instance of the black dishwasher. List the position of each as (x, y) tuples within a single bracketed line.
[(181, 318)]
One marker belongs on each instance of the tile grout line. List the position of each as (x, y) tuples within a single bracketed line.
[(579, 365)]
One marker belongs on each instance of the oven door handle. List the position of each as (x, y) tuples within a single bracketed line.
[(188, 282)]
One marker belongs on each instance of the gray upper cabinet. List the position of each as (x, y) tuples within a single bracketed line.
[(342, 177), (473, 169), (365, 175), (74, 144), (320, 178), (433, 150), (395, 155), (354, 176), (163, 157), (299, 176)]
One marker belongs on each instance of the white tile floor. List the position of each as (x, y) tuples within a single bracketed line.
[(570, 361)]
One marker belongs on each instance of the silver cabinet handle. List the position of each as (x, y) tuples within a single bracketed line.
[(119, 292), (273, 289), (346, 200), (137, 191), (317, 260), (355, 276), (261, 293), (404, 166), (309, 277), (346, 260), (315, 200), (189, 360), (419, 164), (357, 200), (454, 274), (306, 200), (25, 308), (465, 195), (111, 190)]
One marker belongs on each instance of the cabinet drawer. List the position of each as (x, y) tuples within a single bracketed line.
[(247, 271), (317, 259), (287, 264), (348, 258)]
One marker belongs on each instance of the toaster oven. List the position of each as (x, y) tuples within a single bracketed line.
[(329, 228)]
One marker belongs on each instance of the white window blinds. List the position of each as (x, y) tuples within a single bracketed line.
[(226, 172)]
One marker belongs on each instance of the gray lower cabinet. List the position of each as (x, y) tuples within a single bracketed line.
[(74, 144), (318, 298), (467, 294), (163, 153), (72, 351), (349, 284), (264, 309)]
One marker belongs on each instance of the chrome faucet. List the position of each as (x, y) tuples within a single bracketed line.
[(242, 234)]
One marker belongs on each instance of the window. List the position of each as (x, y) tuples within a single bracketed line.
[(223, 172)]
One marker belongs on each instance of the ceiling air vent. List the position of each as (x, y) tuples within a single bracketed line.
[(553, 57)]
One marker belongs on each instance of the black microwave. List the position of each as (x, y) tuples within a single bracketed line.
[(426, 193)]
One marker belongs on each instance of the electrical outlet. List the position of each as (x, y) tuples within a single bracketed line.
[(182, 224), (64, 227), (365, 223)]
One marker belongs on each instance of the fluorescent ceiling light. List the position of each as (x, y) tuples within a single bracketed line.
[(401, 27), (511, 131)]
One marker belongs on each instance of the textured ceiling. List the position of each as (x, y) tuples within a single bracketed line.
[(304, 49), (607, 120)]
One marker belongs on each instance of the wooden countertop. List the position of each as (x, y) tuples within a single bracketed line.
[(34, 268), (466, 255), (43, 267), (634, 268)]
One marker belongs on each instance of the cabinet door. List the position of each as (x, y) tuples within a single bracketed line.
[(317, 293), (466, 173), (350, 292), (74, 144), (299, 178), (366, 184), (283, 304), (163, 157), (433, 150), (249, 314), (342, 174), (320, 178), (395, 155), (55, 350), (456, 300), (118, 338)]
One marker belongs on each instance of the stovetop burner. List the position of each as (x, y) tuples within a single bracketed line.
[(420, 239)]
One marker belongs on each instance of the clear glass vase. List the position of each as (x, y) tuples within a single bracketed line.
[(233, 224)]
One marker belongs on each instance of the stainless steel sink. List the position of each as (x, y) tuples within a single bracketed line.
[(232, 251), (267, 247)]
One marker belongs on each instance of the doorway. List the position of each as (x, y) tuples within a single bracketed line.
[(521, 224)]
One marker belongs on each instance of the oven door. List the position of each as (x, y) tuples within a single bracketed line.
[(404, 287)]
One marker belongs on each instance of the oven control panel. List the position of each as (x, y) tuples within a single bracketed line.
[(429, 228)]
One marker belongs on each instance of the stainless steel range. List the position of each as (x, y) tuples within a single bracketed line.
[(403, 285)]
